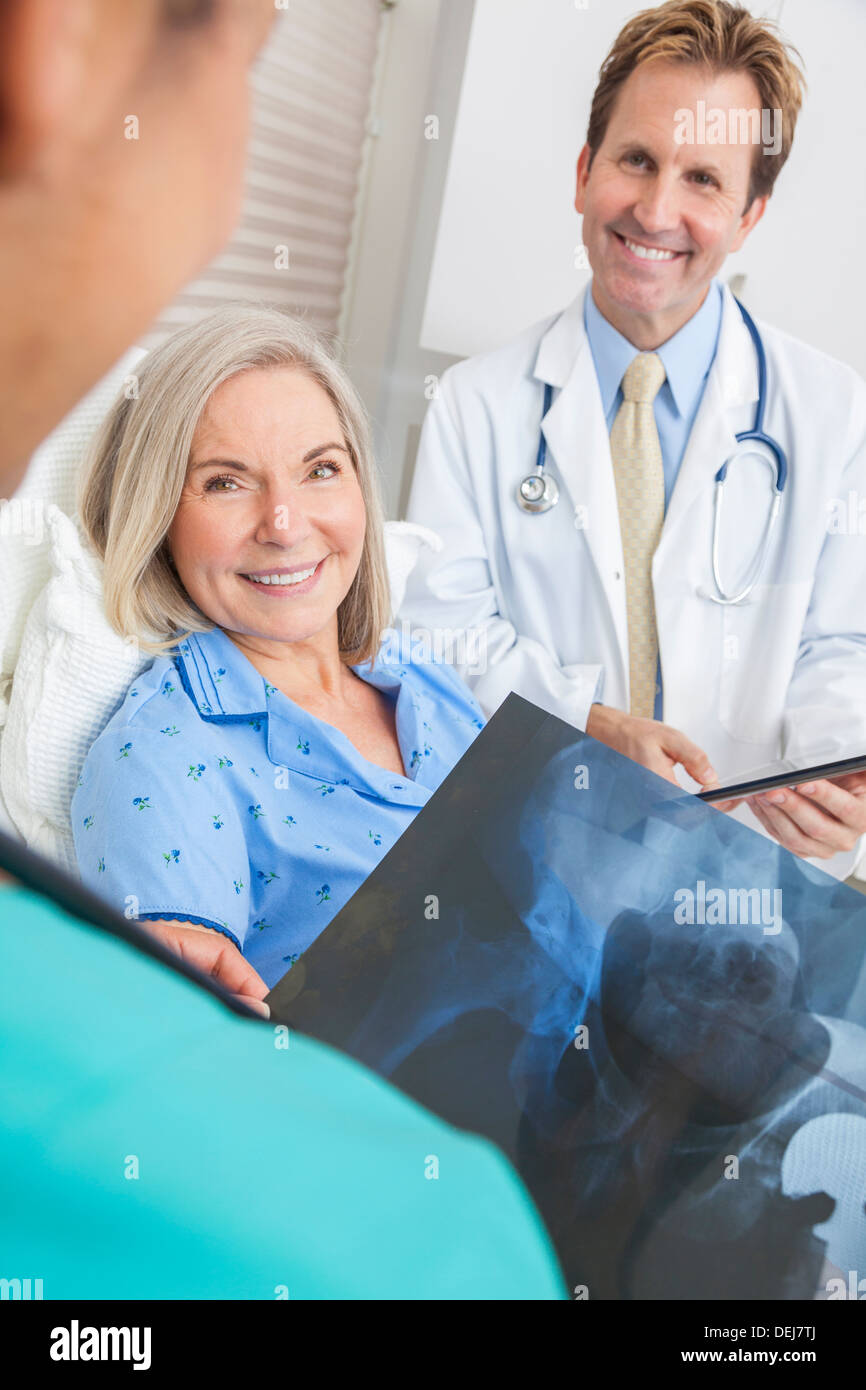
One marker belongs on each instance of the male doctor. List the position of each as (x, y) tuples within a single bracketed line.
[(602, 607)]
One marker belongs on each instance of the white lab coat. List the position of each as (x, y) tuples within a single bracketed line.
[(780, 675)]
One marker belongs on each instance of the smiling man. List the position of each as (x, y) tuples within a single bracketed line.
[(583, 553), (660, 216)]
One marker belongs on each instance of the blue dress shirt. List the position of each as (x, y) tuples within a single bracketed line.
[(212, 797), (687, 358)]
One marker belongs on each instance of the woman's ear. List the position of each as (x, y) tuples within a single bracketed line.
[(62, 68)]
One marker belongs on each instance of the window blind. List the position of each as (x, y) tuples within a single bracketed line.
[(312, 86)]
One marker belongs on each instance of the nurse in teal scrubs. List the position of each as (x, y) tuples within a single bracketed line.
[(153, 1144)]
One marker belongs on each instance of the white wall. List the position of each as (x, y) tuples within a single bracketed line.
[(504, 251), (386, 214), (421, 75)]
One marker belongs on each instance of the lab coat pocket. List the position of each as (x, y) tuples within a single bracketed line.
[(759, 645)]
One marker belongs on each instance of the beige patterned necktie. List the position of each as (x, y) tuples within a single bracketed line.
[(640, 493)]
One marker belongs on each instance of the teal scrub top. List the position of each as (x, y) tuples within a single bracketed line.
[(153, 1145)]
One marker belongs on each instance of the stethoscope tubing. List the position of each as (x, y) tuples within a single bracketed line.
[(549, 495)]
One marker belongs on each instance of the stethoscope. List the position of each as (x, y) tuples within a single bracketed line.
[(539, 493)]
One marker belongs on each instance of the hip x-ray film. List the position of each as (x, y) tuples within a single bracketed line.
[(655, 1012)]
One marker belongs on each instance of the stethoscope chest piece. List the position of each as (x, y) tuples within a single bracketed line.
[(537, 493)]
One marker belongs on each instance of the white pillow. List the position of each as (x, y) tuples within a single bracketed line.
[(73, 671), (404, 541), (51, 478)]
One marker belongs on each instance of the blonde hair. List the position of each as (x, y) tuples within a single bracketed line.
[(723, 38), (132, 486)]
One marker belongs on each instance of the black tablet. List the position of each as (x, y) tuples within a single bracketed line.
[(784, 775)]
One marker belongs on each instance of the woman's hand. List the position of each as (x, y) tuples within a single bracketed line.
[(646, 741), (213, 954)]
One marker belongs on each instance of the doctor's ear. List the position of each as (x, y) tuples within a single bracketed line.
[(63, 70), (750, 218), (584, 162)]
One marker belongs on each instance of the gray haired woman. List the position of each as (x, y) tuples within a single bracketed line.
[(272, 753)]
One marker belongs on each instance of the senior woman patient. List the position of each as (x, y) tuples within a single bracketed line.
[(274, 751)]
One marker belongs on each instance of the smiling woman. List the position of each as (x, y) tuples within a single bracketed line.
[(280, 517), (270, 755), (246, 377)]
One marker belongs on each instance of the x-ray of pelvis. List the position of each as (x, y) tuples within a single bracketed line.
[(657, 1013)]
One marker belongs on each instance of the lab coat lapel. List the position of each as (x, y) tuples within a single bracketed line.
[(579, 454)]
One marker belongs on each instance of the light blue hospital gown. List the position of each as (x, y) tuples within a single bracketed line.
[(212, 797)]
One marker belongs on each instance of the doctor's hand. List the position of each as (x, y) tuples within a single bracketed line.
[(214, 955), (656, 746), (817, 819)]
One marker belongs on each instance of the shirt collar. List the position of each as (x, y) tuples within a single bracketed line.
[(297, 740), (224, 684), (687, 356), (225, 687), (220, 681)]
